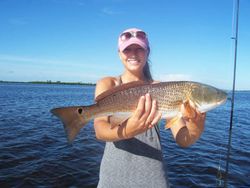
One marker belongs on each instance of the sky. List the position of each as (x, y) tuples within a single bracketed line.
[(76, 40)]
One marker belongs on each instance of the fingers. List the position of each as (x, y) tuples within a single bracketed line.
[(154, 116), (201, 116), (146, 111), (148, 108), (190, 113), (187, 111), (140, 107), (144, 117), (144, 107), (155, 120), (152, 113)]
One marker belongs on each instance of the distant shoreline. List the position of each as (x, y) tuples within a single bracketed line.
[(86, 84), (50, 82)]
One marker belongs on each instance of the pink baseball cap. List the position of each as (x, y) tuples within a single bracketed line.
[(133, 38)]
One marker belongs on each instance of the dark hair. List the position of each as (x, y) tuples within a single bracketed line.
[(146, 69)]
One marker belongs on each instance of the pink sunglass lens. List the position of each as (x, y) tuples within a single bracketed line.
[(141, 35), (126, 36)]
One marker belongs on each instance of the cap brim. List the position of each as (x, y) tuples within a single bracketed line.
[(131, 41)]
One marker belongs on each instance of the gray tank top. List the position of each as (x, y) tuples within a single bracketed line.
[(134, 163)]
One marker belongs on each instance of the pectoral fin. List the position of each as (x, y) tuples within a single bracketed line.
[(189, 111), (172, 122), (116, 120)]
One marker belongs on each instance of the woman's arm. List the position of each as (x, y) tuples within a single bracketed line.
[(102, 127), (144, 117), (190, 127)]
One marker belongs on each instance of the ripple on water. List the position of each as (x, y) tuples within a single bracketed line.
[(35, 152)]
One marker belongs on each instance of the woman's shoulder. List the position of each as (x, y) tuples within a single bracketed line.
[(108, 81), (105, 84)]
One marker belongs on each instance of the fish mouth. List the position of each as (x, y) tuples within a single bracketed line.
[(222, 101), (204, 108), (222, 98)]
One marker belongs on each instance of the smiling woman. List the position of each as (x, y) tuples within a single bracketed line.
[(134, 145), (134, 43), (133, 156)]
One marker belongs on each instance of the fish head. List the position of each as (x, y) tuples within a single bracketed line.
[(205, 97)]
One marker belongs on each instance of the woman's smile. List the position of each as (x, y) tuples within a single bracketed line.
[(134, 57), (133, 61)]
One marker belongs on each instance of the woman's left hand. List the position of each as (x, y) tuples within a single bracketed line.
[(192, 115), (189, 128)]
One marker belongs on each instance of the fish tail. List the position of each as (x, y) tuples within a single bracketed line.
[(73, 119)]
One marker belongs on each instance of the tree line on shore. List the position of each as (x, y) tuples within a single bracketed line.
[(50, 82)]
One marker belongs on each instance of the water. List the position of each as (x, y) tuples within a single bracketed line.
[(34, 150)]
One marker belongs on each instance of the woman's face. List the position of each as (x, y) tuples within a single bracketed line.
[(134, 57)]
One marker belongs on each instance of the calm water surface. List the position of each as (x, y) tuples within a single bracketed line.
[(34, 150)]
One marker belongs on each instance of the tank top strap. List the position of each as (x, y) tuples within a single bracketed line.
[(119, 80)]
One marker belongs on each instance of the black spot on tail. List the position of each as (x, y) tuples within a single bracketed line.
[(80, 110)]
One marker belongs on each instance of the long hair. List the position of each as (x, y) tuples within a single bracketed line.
[(146, 69)]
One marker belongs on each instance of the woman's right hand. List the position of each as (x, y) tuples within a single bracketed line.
[(145, 117)]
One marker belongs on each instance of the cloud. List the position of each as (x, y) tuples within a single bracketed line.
[(74, 2), (109, 11), (18, 68), (11, 72), (4, 57), (54, 63)]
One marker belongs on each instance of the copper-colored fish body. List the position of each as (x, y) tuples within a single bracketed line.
[(119, 103)]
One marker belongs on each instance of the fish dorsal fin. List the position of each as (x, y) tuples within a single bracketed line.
[(120, 88)]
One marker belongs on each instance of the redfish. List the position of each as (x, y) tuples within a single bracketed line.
[(120, 102)]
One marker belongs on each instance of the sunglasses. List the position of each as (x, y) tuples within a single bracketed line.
[(138, 34)]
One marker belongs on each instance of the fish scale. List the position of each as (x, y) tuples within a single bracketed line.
[(168, 96), (120, 102)]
